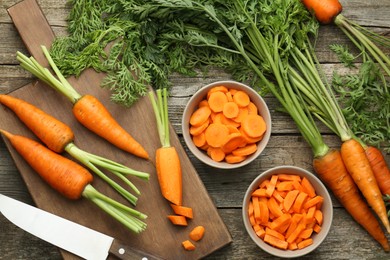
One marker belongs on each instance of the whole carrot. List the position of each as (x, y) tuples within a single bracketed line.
[(89, 111), (59, 137), (358, 166), (380, 168), (331, 169), (72, 180), (324, 10)]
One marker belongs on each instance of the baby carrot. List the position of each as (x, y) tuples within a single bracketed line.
[(89, 111), (72, 180)]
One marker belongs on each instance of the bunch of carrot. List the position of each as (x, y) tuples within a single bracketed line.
[(59, 137), (89, 111), (227, 125), (285, 211), (72, 180)]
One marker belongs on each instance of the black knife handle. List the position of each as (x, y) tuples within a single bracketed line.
[(124, 252)]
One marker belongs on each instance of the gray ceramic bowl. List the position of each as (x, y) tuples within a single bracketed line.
[(327, 209), (192, 106)]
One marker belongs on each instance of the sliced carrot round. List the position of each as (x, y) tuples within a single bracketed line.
[(241, 98), (246, 150), (217, 101), (235, 140), (197, 130), (217, 154), (230, 158), (216, 135), (200, 116), (230, 110), (252, 108), (253, 125), (199, 140), (221, 88)]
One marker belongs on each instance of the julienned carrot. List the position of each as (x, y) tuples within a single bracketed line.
[(284, 223), (380, 168), (89, 111), (324, 10), (358, 166), (59, 137), (331, 169), (168, 164), (72, 180)]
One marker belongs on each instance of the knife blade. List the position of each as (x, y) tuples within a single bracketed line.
[(70, 236)]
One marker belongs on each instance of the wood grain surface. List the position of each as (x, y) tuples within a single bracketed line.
[(346, 240)]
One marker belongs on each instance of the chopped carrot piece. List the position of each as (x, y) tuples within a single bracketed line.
[(274, 233), (188, 245), (289, 177), (230, 158), (242, 113), (199, 140), (216, 135), (183, 211), (245, 150), (280, 221), (309, 189), (318, 216), (254, 125), (277, 196), (290, 199), (305, 243), (229, 96), (178, 220), (299, 201), (234, 141), (252, 108), (261, 232), (222, 89), (197, 233), (241, 98), (217, 101), (216, 153), (313, 201), (317, 228), (305, 234), (285, 186), (260, 192), (197, 130), (230, 110), (272, 185), (200, 116), (275, 242), (274, 207), (294, 235), (203, 103), (256, 209), (264, 211)]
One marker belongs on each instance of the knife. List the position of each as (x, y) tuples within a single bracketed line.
[(68, 235)]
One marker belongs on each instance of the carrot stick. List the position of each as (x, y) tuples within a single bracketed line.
[(88, 110), (183, 211), (358, 166), (59, 138), (168, 165), (380, 169), (72, 180), (332, 171)]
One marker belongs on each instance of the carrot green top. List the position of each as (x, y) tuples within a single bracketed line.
[(160, 108)]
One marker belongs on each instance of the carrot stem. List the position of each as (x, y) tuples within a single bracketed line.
[(160, 109)]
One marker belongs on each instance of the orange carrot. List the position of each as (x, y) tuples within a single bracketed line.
[(199, 140), (188, 245), (200, 116), (230, 110), (216, 135), (241, 98), (275, 241), (55, 134), (217, 101), (168, 164), (324, 10), (178, 220), (59, 138), (230, 158), (356, 162), (169, 174), (253, 125), (246, 150), (332, 171), (216, 153), (197, 233), (380, 169), (72, 180), (182, 211), (89, 111)]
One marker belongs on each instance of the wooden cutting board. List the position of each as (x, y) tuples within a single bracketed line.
[(161, 237)]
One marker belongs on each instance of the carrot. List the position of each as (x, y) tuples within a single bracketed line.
[(197, 130), (168, 164), (230, 158), (200, 116), (178, 220), (188, 245), (89, 111), (290, 199), (246, 150), (241, 98), (199, 140), (234, 141), (40, 123), (217, 101), (72, 180), (253, 125), (331, 169), (216, 135), (230, 110), (197, 233), (182, 211), (356, 162), (59, 138), (324, 10), (216, 153), (308, 188), (379, 167), (305, 243)]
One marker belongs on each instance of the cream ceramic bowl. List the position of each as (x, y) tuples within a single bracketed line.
[(192, 106), (327, 209)]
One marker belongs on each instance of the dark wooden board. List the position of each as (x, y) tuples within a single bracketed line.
[(161, 237)]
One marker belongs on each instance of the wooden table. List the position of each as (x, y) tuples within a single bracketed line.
[(346, 240)]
